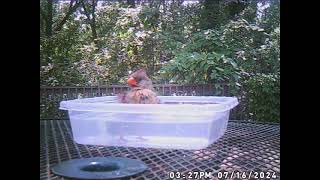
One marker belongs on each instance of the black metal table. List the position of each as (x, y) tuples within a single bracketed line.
[(246, 147)]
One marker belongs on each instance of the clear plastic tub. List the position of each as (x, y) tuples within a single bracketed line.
[(179, 122)]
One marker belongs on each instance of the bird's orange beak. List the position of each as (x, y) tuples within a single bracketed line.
[(132, 82)]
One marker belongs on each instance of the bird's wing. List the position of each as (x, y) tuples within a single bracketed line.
[(141, 96)]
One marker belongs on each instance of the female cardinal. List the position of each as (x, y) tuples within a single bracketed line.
[(142, 91)]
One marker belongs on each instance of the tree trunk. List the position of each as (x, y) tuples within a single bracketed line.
[(49, 18), (71, 10), (91, 21), (42, 22)]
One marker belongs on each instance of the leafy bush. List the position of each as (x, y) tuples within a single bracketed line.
[(237, 54), (264, 97)]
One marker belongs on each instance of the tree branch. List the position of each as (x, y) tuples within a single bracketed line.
[(86, 12), (94, 4), (49, 18), (72, 8), (91, 21)]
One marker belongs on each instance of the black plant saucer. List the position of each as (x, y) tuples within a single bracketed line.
[(99, 168)]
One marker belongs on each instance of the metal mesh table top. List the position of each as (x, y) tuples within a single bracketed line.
[(244, 147)]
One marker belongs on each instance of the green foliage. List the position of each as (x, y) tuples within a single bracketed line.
[(213, 14), (264, 97), (209, 42), (57, 55), (270, 18), (255, 50), (236, 53), (201, 68), (202, 59)]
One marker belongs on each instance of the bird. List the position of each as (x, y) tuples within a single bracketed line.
[(141, 92)]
